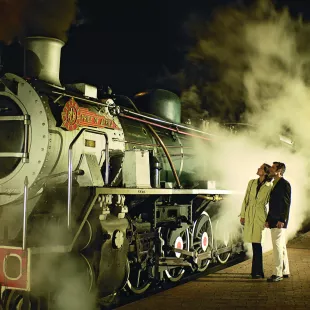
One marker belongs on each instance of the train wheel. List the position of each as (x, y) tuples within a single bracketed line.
[(203, 238), (222, 240), (20, 300), (181, 242), (138, 281)]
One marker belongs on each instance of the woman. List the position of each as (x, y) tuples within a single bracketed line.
[(253, 216)]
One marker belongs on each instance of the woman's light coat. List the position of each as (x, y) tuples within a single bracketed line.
[(254, 211)]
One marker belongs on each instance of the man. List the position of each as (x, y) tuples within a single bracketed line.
[(277, 220)]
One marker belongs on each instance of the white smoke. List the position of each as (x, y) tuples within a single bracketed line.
[(66, 276), (234, 159), (270, 72)]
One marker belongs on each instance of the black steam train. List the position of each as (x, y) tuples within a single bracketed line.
[(99, 189)]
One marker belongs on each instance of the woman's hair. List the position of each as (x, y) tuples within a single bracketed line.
[(267, 170)]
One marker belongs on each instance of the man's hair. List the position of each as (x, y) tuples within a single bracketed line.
[(280, 166)]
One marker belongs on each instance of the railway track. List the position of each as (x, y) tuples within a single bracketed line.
[(126, 298)]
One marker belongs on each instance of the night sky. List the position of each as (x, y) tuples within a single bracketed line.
[(129, 45)]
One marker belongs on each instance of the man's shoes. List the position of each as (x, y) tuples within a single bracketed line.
[(285, 276), (275, 278), (257, 276)]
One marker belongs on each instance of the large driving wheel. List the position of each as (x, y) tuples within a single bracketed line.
[(203, 238), (222, 240), (138, 281), (20, 300), (180, 242)]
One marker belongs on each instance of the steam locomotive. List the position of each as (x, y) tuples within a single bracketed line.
[(99, 188)]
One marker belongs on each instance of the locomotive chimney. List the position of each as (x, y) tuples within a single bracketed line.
[(42, 59)]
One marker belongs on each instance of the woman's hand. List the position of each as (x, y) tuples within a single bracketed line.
[(242, 220), (280, 224)]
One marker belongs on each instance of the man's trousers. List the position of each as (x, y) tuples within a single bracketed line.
[(280, 259)]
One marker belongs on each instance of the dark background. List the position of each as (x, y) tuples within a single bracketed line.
[(131, 45)]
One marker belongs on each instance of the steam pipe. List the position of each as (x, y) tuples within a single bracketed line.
[(167, 154)]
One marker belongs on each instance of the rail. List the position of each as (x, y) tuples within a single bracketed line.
[(25, 153), (25, 213), (70, 172)]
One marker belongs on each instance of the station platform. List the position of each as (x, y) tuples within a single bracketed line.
[(232, 288)]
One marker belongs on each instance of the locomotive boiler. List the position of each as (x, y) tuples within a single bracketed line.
[(100, 182)]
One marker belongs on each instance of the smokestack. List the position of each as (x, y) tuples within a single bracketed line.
[(42, 59)]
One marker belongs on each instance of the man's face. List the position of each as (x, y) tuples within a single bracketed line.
[(273, 170)]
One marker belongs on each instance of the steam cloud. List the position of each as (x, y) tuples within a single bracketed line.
[(259, 58), (20, 18), (65, 274)]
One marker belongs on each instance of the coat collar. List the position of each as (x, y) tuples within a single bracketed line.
[(279, 181), (268, 184)]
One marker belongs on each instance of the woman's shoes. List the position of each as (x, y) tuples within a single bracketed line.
[(257, 276)]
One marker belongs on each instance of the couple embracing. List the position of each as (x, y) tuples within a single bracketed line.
[(255, 218)]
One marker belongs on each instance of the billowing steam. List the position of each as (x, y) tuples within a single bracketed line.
[(259, 59), (66, 275), (19, 18)]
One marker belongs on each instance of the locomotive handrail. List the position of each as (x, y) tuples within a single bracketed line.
[(124, 110), (12, 118), (25, 213), (70, 172), (80, 98), (164, 127)]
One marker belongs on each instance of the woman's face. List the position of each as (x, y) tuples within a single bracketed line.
[(260, 171)]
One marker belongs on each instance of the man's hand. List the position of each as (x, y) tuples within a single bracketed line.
[(266, 225), (242, 220), (280, 224)]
